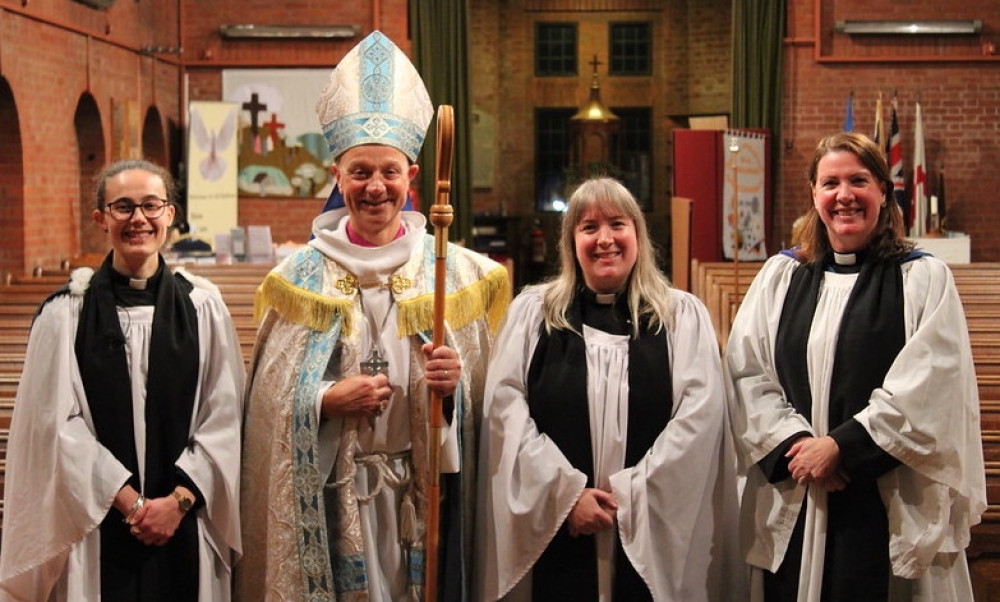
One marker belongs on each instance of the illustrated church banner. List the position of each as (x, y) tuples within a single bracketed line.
[(282, 152), (743, 196), (212, 202)]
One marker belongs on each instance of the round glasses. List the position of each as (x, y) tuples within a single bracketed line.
[(123, 210)]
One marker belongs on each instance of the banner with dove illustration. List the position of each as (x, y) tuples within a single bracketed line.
[(743, 196), (212, 168)]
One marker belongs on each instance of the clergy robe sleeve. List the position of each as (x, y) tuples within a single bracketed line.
[(212, 457), (762, 418), (775, 465), (927, 412), (926, 415), (527, 487), (677, 506), (859, 455), (60, 482)]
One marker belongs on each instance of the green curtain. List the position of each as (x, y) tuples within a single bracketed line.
[(758, 38), (439, 31)]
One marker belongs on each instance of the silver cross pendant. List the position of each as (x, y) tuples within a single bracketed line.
[(375, 364)]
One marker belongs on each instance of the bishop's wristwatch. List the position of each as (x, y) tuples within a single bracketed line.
[(184, 503)]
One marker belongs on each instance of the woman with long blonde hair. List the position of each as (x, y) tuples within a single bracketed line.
[(604, 466)]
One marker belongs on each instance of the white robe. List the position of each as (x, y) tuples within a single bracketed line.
[(61, 482), (676, 506), (926, 415)]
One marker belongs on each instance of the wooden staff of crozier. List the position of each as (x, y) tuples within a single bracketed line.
[(441, 214)]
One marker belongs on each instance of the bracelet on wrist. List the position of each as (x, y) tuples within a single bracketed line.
[(139, 503)]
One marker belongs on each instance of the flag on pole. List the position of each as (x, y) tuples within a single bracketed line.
[(895, 156), (849, 118), (919, 227), (879, 134)]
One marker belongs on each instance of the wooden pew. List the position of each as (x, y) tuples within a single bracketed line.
[(721, 286)]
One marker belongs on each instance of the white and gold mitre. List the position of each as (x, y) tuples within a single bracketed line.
[(375, 96)]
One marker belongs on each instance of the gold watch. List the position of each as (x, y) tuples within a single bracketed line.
[(184, 503)]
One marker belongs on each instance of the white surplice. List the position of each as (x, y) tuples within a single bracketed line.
[(926, 414), (61, 482), (676, 507)]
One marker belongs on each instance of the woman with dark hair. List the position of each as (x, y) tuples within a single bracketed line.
[(123, 460), (854, 403), (605, 467)]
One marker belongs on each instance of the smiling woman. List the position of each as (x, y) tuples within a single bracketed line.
[(606, 248), (124, 451), (606, 382), (135, 236), (848, 198), (850, 183), (854, 398)]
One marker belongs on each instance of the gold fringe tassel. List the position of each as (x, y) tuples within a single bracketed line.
[(489, 296), (299, 305)]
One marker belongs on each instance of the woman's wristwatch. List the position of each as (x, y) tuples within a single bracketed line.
[(184, 503)]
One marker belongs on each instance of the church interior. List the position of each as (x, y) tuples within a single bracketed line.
[(691, 102)]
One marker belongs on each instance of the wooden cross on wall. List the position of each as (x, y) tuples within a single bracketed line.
[(256, 107)]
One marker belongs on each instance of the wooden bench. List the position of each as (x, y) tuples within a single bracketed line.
[(721, 286)]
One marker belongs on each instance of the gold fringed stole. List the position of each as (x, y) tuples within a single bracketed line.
[(488, 296), (299, 305)]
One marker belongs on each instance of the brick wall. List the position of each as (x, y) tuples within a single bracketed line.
[(64, 67), (53, 53), (205, 48)]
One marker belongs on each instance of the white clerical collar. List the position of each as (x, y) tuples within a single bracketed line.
[(845, 258), (138, 284), (330, 231)]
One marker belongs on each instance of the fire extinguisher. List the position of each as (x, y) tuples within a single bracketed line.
[(537, 243)]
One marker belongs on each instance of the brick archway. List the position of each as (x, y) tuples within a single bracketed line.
[(11, 185), (91, 152), (154, 144)]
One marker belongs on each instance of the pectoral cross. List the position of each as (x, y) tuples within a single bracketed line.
[(375, 364)]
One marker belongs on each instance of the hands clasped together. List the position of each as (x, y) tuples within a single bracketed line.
[(156, 521), (361, 395), (817, 460), (593, 512), (153, 521)]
